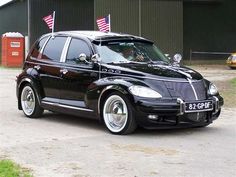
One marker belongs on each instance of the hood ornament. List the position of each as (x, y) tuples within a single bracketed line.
[(177, 59)]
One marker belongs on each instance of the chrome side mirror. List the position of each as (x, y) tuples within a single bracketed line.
[(95, 58), (82, 57)]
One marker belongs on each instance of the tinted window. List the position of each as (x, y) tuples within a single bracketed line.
[(53, 48), (38, 47), (77, 47)]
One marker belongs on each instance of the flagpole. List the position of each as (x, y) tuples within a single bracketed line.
[(54, 16), (109, 17)]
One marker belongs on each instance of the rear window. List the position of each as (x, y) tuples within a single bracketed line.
[(53, 49)]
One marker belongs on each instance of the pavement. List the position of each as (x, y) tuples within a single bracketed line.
[(66, 146)]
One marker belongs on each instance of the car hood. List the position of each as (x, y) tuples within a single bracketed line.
[(151, 70)]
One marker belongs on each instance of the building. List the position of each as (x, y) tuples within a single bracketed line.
[(177, 26)]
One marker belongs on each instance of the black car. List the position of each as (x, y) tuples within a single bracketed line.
[(123, 80)]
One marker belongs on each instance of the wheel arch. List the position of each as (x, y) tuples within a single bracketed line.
[(107, 91), (21, 85)]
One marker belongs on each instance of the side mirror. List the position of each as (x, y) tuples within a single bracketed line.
[(177, 58), (95, 58), (82, 57)]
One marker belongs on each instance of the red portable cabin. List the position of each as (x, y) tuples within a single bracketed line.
[(13, 49)]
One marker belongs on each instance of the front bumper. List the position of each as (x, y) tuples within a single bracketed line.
[(170, 113)]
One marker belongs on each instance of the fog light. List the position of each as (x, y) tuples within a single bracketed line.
[(153, 117)]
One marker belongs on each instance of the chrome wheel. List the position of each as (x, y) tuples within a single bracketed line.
[(115, 113), (28, 100)]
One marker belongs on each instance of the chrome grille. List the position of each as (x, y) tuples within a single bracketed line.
[(200, 90), (184, 90)]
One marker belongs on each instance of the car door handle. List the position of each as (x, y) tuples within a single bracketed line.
[(63, 71), (37, 67)]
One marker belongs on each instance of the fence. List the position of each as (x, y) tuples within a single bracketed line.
[(223, 55)]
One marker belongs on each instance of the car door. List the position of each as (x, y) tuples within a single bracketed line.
[(49, 67), (78, 75)]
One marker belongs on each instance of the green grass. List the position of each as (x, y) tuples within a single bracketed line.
[(233, 82), (228, 92), (10, 169)]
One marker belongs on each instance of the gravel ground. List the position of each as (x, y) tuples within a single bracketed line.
[(67, 146)]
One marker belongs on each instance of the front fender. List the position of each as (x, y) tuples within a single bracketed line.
[(100, 89)]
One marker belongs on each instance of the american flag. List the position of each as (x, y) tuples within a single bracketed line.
[(104, 24), (49, 21)]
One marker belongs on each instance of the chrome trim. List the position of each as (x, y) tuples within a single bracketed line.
[(41, 51), (65, 50), (115, 74), (197, 111), (37, 67), (66, 106), (195, 93), (63, 71), (181, 106), (217, 104)]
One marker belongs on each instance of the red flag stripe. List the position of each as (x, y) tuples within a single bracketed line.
[(103, 24), (49, 21)]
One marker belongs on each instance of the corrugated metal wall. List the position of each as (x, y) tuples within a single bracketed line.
[(124, 14), (209, 27), (70, 15), (13, 18), (161, 21)]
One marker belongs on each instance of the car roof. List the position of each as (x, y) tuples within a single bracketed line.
[(97, 36)]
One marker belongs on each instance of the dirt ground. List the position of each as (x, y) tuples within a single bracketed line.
[(66, 146)]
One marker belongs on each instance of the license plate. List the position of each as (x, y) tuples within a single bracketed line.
[(199, 106)]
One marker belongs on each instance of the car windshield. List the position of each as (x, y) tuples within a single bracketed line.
[(125, 52)]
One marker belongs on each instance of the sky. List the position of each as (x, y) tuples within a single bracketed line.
[(2, 2)]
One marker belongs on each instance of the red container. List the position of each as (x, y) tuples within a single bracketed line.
[(13, 49)]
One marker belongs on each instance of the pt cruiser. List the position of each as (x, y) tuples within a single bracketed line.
[(123, 80)]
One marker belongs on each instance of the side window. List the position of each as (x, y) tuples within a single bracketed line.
[(38, 47), (53, 49), (76, 48)]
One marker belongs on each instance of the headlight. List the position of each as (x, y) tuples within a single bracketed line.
[(212, 89), (144, 92)]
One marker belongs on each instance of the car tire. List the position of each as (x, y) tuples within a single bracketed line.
[(29, 102), (118, 114)]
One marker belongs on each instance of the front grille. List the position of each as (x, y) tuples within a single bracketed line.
[(200, 89), (184, 90)]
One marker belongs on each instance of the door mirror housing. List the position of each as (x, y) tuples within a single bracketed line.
[(82, 57), (96, 58)]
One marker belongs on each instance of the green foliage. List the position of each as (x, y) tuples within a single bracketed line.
[(233, 82), (227, 90), (10, 169)]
